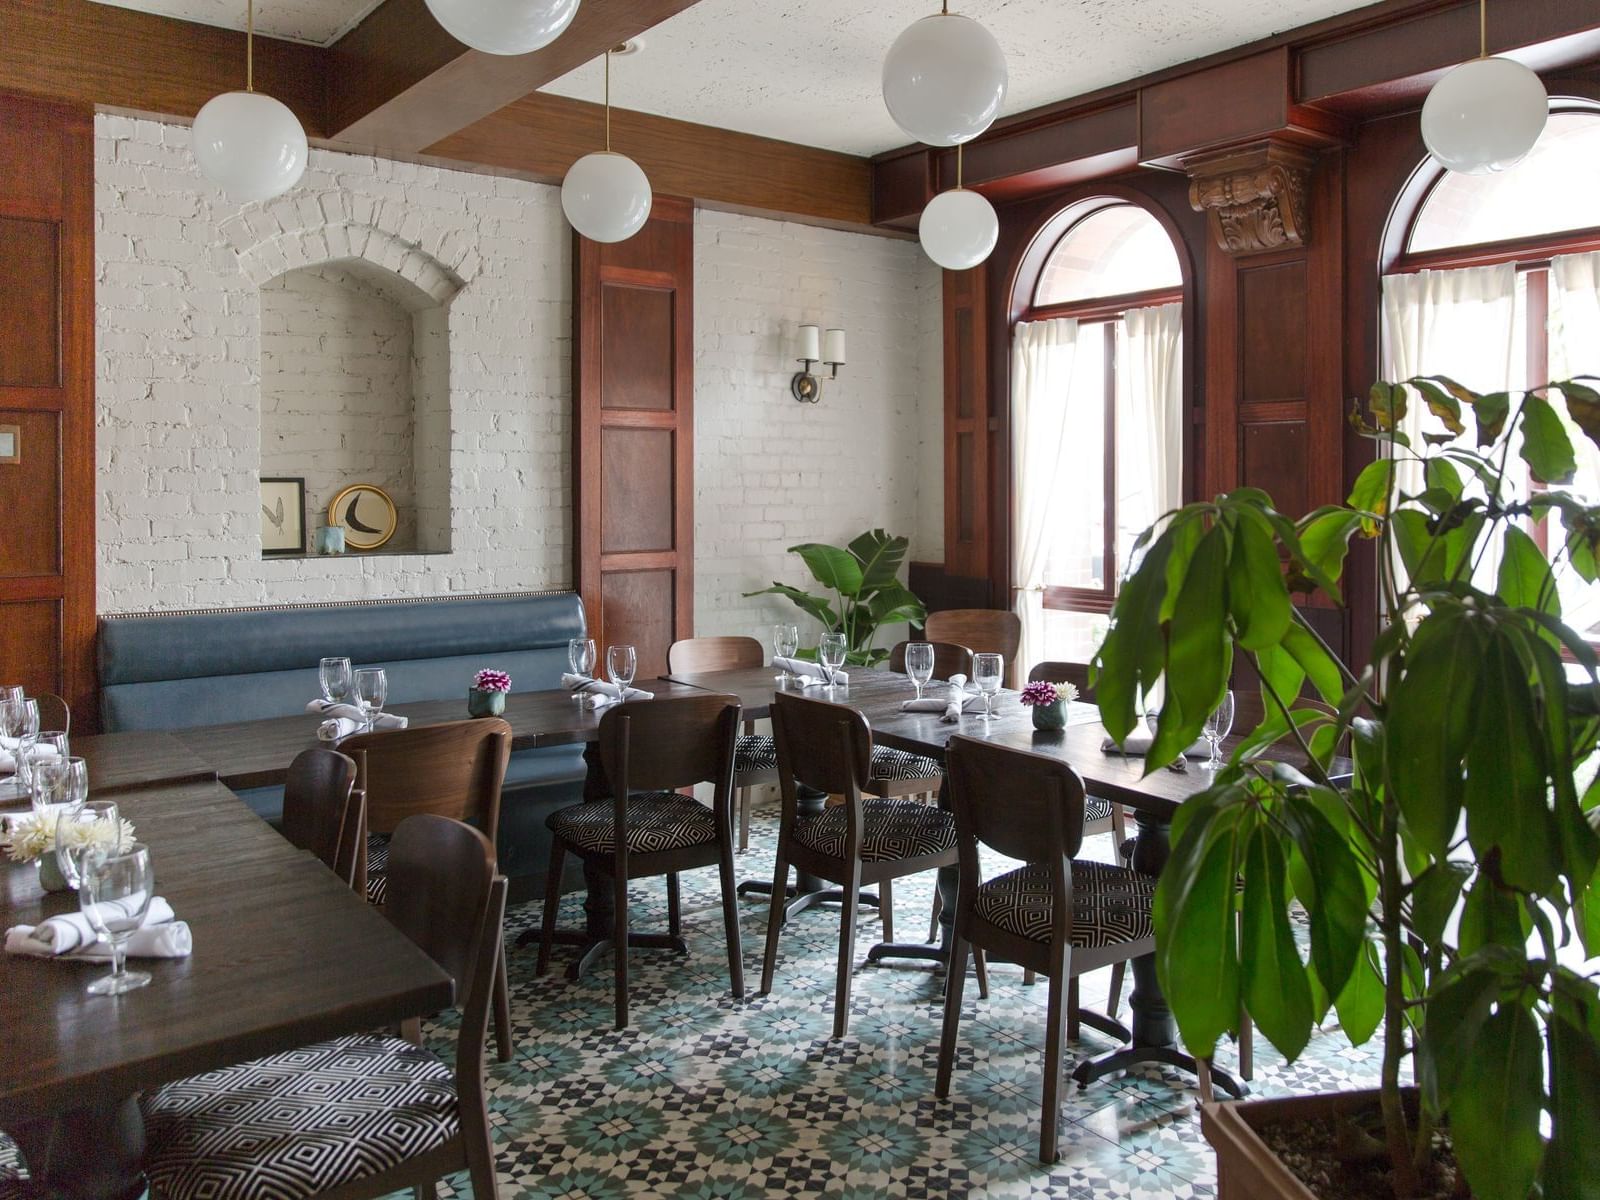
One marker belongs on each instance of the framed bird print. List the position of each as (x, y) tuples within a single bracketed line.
[(283, 516), (367, 515)]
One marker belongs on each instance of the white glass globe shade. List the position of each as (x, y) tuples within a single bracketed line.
[(958, 229), (944, 79), (606, 197), (504, 26), (1484, 116), (250, 145)]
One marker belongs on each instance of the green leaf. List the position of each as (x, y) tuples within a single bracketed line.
[(1370, 494), (1332, 891), (1583, 406), (1258, 601), (1441, 404), (1434, 896), (1525, 578), (1491, 917), (1325, 538), (1430, 723), (1199, 654), (1360, 1004), (1387, 404), (833, 568), (1440, 474), (814, 606), (1455, 1017), (1276, 992), (1319, 666), (894, 603), (1494, 1114), (1572, 1160), (1546, 448), (1196, 930), (1491, 410), (880, 556), (1130, 658)]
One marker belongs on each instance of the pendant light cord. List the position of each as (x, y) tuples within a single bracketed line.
[(608, 102), (959, 148), (1483, 28), (250, 45)]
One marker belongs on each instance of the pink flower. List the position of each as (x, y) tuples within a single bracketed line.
[(1040, 692), (492, 681)]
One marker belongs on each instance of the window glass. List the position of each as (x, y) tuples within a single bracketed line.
[(1114, 251), (1077, 554)]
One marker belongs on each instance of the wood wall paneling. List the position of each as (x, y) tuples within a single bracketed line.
[(30, 640), (967, 539), (30, 308), (30, 493)]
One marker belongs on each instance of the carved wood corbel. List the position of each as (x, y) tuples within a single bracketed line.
[(1254, 196)]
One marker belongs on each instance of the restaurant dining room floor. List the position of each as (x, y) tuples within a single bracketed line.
[(707, 1096)]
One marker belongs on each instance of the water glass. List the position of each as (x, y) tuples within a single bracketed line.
[(372, 689), (56, 783), (987, 672), (581, 657), (1218, 725), (115, 895), (81, 829), (621, 663), (919, 664), (785, 644), (335, 676), (831, 653), (11, 691)]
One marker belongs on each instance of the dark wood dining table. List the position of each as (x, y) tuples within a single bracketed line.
[(1154, 800), (284, 955)]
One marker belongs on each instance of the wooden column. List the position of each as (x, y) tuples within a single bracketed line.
[(970, 461)]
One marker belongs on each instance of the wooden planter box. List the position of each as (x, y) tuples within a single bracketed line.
[(1246, 1168)]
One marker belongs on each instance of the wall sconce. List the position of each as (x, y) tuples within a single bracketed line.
[(814, 347)]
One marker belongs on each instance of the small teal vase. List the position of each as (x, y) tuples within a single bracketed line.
[(1050, 716), (485, 704), (330, 539), (50, 877)]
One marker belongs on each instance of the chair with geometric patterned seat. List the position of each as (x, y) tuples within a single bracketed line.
[(323, 813), (649, 750), (1056, 915), (362, 1115)]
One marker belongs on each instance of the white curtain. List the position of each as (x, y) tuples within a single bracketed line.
[(1149, 422), (1042, 357), (1575, 350)]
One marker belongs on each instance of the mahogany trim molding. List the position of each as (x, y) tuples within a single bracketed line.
[(1254, 197)]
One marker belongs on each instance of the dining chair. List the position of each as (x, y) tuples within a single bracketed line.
[(863, 840), (451, 770), (54, 713), (366, 1114), (981, 630), (755, 761), (1057, 915), (321, 811), (649, 750), (948, 659)]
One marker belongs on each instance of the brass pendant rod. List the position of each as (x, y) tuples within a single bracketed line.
[(608, 101), (1483, 28), (250, 45), (959, 148)]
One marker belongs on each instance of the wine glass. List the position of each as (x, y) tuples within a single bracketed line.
[(21, 725), (115, 895), (335, 677), (372, 689), (1218, 725), (581, 656), (83, 828), (831, 652), (621, 662), (919, 664), (59, 783), (987, 672), (785, 644)]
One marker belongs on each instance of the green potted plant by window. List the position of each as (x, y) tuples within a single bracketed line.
[(864, 578), (1448, 874)]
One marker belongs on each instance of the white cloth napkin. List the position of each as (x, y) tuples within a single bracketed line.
[(70, 935), (956, 701), (345, 719), (599, 693), (810, 674), (1138, 743), (8, 760)]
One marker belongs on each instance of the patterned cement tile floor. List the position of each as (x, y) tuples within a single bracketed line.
[(706, 1096)]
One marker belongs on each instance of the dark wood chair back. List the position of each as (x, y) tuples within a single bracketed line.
[(668, 743), (825, 746), (982, 630), (694, 655), (1024, 805), (948, 659), (1074, 673), (451, 770), (319, 813), (55, 714)]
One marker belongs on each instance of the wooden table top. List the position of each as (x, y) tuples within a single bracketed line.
[(138, 758), (284, 955), (878, 694)]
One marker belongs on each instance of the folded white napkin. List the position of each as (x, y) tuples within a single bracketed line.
[(345, 719), (810, 674), (8, 760), (956, 701), (72, 936), (1138, 743), (599, 693)]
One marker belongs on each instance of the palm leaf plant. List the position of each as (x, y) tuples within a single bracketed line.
[(864, 579), (1448, 872)]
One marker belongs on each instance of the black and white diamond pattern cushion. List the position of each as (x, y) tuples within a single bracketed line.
[(1095, 809), (656, 821), (1110, 904), (14, 1183), (297, 1124), (754, 752), (377, 867), (891, 830), (901, 765)]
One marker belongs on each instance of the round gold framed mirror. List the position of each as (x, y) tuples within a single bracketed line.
[(366, 514)]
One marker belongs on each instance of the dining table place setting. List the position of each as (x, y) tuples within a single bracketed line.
[(622, 662)]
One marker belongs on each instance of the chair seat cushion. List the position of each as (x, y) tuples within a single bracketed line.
[(901, 765), (657, 821), (754, 752), (891, 830), (1096, 809), (14, 1183), (377, 867), (300, 1123), (1110, 905)]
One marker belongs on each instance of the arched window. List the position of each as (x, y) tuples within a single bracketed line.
[(1498, 285), (1097, 403)]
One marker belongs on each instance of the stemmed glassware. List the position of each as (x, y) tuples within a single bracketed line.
[(1218, 725), (372, 690), (58, 783), (81, 829), (19, 724), (581, 657), (987, 672), (919, 664), (785, 644), (621, 663), (115, 893), (335, 676), (831, 653)]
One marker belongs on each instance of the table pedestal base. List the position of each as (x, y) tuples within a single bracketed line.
[(93, 1153), (1131, 1056)]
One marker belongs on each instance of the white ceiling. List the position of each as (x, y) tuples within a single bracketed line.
[(807, 71)]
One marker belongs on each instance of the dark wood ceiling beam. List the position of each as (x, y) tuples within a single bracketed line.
[(399, 83)]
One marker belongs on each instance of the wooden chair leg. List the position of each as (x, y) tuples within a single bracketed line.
[(1029, 978), (1119, 826), (980, 967), (1202, 1073), (886, 909), (1072, 1009), (730, 924), (955, 980), (780, 884), (552, 901), (674, 906), (847, 952), (1119, 972), (425, 1191), (744, 818), (619, 940), (1055, 1018), (480, 1155), (502, 1007), (933, 922)]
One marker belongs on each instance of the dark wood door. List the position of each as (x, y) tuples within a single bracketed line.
[(633, 374), (47, 599)]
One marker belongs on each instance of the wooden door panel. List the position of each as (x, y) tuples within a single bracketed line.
[(639, 610), (1272, 332), (633, 317), (30, 645), (1272, 457), (30, 324), (639, 508), (30, 495)]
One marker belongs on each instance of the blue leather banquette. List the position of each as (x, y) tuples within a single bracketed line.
[(178, 670)]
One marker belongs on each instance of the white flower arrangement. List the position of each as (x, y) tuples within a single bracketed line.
[(33, 835)]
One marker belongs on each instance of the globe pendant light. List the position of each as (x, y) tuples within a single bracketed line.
[(944, 79), (1485, 115), (504, 26), (248, 144), (959, 228), (605, 195)]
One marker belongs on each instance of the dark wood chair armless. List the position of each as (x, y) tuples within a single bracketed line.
[(321, 811), (983, 631)]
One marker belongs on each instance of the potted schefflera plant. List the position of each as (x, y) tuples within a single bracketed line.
[(1447, 872)]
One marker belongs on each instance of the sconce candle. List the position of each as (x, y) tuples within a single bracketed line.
[(833, 348), (810, 342)]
